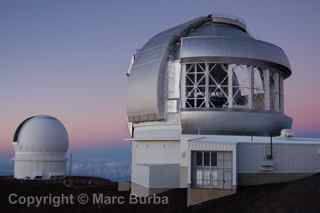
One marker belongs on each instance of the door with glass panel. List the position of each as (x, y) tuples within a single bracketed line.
[(211, 169)]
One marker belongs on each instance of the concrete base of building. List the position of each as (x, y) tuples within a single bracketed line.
[(183, 177), (142, 191), (247, 179), (196, 196)]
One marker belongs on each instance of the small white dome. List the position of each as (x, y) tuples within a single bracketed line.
[(41, 133)]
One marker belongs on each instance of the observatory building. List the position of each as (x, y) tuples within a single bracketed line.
[(40, 144), (206, 112)]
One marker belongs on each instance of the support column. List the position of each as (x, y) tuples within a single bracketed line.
[(266, 74), (234, 166), (183, 86), (276, 91), (251, 86), (207, 93), (230, 88), (281, 94)]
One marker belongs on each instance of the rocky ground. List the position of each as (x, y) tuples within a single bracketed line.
[(295, 197), (298, 196)]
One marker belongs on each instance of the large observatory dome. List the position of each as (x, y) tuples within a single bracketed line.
[(40, 143), (41, 134), (206, 108), (213, 73)]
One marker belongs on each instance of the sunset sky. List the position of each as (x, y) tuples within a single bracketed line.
[(69, 59)]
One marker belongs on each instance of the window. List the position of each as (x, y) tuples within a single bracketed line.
[(206, 177), (258, 89), (199, 158), (218, 85), (208, 172), (275, 91), (199, 177), (214, 177), (240, 86), (195, 85), (233, 86), (213, 159), (206, 158)]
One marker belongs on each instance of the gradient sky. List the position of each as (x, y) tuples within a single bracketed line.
[(69, 58)]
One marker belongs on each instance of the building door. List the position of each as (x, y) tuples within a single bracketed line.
[(211, 169)]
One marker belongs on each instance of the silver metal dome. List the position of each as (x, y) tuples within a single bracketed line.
[(215, 40), (41, 133)]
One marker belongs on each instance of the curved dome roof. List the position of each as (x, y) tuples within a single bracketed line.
[(220, 39), (41, 133), (218, 30)]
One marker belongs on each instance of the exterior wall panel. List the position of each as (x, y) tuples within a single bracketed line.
[(287, 158), (157, 152)]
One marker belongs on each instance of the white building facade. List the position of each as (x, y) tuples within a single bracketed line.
[(206, 112)]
